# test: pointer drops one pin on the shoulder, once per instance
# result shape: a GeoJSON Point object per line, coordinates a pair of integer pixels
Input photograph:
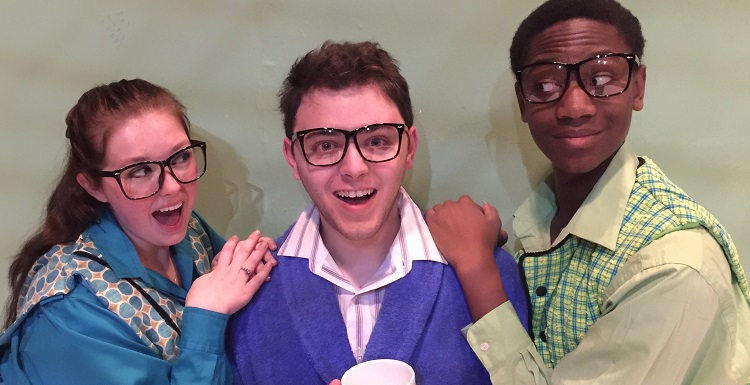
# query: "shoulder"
{"type": "Point", "coordinates": [662, 200]}
{"type": "Point", "coordinates": [515, 289]}
{"type": "Point", "coordinates": [55, 272]}
{"type": "Point", "coordinates": [695, 249]}
{"type": "Point", "coordinates": [270, 307]}
{"type": "Point", "coordinates": [280, 240]}
{"type": "Point", "coordinates": [51, 328]}
{"type": "Point", "coordinates": [507, 265]}
{"type": "Point", "coordinates": [76, 312]}
{"type": "Point", "coordinates": [504, 257]}
{"type": "Point", "coordinates": [685, 257]}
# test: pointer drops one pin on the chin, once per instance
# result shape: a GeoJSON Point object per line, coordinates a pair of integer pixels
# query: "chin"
{"type": "Point", "coordinates": [173, 238]}
{"type": "Point", "coordinates": [358, 232]}
{"type": "Point", "coordinates": [358, 236]}
{"type": "Point", "coordinates": [176, 236]}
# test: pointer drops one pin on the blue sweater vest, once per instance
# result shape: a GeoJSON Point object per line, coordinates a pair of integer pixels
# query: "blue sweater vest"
{"type": "Point", "coordinates": [292, 332]}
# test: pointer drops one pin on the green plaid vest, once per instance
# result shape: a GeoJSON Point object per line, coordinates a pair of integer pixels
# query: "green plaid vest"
{"type": "Point", "coordinates": [66, 266]}
{"type": "Point", "coordinates": [566, 284]}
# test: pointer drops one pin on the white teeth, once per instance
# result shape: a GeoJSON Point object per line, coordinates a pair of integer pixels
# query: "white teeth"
{"type": "Point", "coordinates": [355, 193]}
{"type": "Point", "coordinates": [171, 208]}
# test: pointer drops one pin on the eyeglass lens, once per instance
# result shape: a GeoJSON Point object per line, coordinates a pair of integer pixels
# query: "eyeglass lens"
{"type": "Point", "coordinates": [376, 143]}
{"type": "Point", "coordinates": [145, 179]}
{"type": "Point", "coordinates": [599, 77]}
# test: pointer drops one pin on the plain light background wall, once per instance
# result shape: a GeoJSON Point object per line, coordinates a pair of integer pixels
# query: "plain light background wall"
{"type": "Point", "coordinates": [226, 61]}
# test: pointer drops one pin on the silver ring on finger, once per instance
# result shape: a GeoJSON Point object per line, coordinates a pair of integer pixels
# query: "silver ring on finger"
{"type": "Point", "coordinates": [247, 271]}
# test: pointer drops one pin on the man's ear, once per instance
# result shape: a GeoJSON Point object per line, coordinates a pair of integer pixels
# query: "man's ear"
{"type": "Point", "coordinates": [289, 156]}
{"type": "Point", "coordinates": [411, 148]}
{"type": "Point", "coordinates": [639, 87]}
{"type": "Point", "coordinates": [521, 102]}
{"type": "Point", "coordinates": [92, 188]}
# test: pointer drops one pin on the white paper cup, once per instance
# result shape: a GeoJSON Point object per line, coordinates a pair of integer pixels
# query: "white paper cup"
{"type": "Point", "coordinates": [379, 372]}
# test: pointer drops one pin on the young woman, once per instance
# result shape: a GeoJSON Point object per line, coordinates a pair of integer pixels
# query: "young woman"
{"type": "Point", "coordinates": [123, 283]}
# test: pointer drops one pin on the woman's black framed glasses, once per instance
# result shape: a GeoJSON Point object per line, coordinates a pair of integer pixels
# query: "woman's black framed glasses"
{"type": "Point", "coordinates": [144, 179]}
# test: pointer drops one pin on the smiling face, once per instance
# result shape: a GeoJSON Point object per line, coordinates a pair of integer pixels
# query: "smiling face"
{"type": "Point", "coordinates": [356, 198]}
{"type": "Point", "coordinates": [155, 223]}
{"type": "Point", "coordinates": [580, 134]}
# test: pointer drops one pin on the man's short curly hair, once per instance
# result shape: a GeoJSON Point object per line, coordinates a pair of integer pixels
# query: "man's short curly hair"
{"type": "Point", "coordinates": [338, 66]}
{"type": "Point", "coordinates": [554, 11]}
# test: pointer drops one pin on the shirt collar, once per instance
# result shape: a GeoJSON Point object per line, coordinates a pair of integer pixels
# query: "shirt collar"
{"type": "Point", "coordinates": [412, 243]}
{"type": "Point", "coordinates": [115, 246]}
{"type": "Point", "coordinates": [598, 219]}
{"type": "Point", "coordinates": [117, 249]}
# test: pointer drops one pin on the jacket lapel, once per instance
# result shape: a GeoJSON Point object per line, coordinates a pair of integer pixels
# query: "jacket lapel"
{"type": "Point", "coordinates": [316, 317]}
{"type": "Point", "coordinates": [407, 306]}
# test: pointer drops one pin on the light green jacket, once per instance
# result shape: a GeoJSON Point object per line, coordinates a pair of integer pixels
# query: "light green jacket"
{"type": "Point", "coordinates": [643, 286]}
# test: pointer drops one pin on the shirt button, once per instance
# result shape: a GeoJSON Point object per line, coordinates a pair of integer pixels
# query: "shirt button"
{"type": "Point", "coordinates": [484, 346]}
{"type": "Point", "coordinates": [543, 336]}
{"type": "Point", "coordinates": [541, 291]}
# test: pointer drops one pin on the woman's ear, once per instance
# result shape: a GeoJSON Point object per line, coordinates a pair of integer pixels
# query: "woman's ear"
{"type": "Point", "coordinates": [92, 188]}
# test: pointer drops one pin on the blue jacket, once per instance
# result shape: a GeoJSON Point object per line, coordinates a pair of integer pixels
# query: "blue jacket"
{"type": "Point", "coordinates": [74, 338]}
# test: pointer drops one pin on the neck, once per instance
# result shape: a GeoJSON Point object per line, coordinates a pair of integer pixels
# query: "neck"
{"type": "Point", "coordinates": [161, 261]}
{"type": "Point", "coordinates": [571, 190]}
{"type": "Point", "coordinates": [359, 259]}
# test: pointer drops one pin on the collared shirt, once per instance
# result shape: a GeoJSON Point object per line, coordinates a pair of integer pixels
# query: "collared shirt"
{"type": "Point", "coordinates": [360, 307]}
{"type": "Point", "coordinates": [74, 339]}
{"type": "Point", "coordinates": [644, 335]}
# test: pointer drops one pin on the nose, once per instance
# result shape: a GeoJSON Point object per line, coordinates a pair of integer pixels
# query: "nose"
{"type": "Point", "coordinates": [353, 164]}
{"type": "Point", "coordinates": [169, 184]}
{"type": "Point", "coordinates": [575, 103]}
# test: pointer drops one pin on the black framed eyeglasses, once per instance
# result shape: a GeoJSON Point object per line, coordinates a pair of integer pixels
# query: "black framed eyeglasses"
{"type": "Point", "coordinates": [376, 143]}
{"type": "Point", "coordinates": [600, 76]}
{"type": "Point", "coordinates": [144, 179]}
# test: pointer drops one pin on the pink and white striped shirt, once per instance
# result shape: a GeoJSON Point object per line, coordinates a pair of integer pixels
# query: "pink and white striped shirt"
{"type": "Point", "coordinates": [360, 308]}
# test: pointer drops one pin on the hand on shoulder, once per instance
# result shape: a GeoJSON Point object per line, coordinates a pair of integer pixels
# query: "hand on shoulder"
{"type": "Point", "coordinates": [237, 273]}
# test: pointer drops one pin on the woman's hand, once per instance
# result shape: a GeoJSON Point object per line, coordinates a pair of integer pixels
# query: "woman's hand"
{"type": "Point", "coordinates": [237, 272]}
{"type": "Point", "coordinates": [267, 258]}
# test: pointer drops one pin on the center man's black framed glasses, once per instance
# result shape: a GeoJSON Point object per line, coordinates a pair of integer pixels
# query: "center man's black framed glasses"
{"type": "Point", "coordinates": [144, 179]}
{"type": "Point", "coordinates": [326, 146]}
{"type": "Point", "coordinates": [599, 76]}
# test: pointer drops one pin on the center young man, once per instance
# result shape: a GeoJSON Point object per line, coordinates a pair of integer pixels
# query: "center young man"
{"type": "Point", "coordinates": [358, 275]}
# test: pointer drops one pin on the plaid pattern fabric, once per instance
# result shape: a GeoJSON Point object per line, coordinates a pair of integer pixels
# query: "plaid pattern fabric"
{"type": "Point", "coordinates": [65, 266]}
{"type": "Point", "coordinates": [692, 214]}
{"type": "Point", "coordinates": [566, 283]}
